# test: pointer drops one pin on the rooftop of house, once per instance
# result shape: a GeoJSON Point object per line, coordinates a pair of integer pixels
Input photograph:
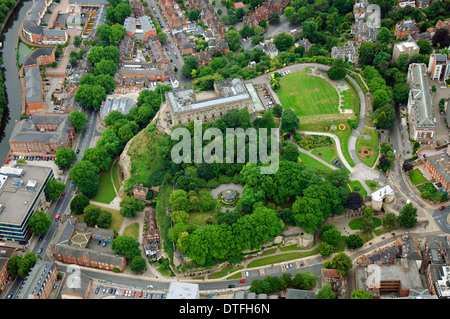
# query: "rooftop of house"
{"type": "Point", "coordinates": [31, 58]}
{"type": "Point", "coordinates": [420, 95]}
{"type": "Point", "coordinates": [26, 130]}
{"type": "Point", "coordinates": [441, 163]}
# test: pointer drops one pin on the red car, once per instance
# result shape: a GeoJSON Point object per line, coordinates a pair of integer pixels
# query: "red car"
{"type": "Point", "coordinates": [124, 292]}
{"type": "Point", "coordinates": [133, 293]}
{"type": "Point", "coordinates": [64, 193]}
{"type": "Point", "coordinates": [243, 281]}
{"type": "Point", "coordinates": [140, 294]}
{"type": "Point", "coordinates": [169, 41]}
{"type": "Point", "coordinates": [442, 208]}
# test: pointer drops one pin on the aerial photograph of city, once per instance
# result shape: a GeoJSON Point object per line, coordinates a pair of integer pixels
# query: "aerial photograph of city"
{"type": "Point", "coordinates": [252, 152]}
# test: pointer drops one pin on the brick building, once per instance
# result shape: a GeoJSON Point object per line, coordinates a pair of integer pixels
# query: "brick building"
{"type": "Point", "coordinates": [40, 281]}
{"type": "Point", "coordinates": [41, 135]}
{"type": "Point", "coordinates": [75, 243]}
{"type": "Point", "coordinates": [5, 255]}
{"type": "Point", "coordinates": [264, 10]}
{"type": "Point", "coordinates": [436, 257]}
{"type": "Point", "coordinates": [140, 74]}
{"type": "Point", "coordinates": [141, 28]}
{"type": "Point", "coordinates": [439, 67]}
{"type": "Point", "coordinates": [439, 167]}
{"type": "Point", "coordinates": [139, 191]}
{"type": "Point", "coordinates": [406, 28]}
{"type": "Point", "coordinates": [420, 104]}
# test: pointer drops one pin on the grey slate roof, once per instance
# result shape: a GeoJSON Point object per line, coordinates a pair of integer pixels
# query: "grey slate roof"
{"type": "Point", "coordinates": [25, 130]}
{"type": "Point", "coordinates": [420, 94]}
{"type": "Point", "coordinates": [31, 57]}
{"type": "Point", "coordinates": [32, 85]}
{"type": "Point", "coordinates": [31, 26]}
{"type": "Point", "coordinates": [90, 2]}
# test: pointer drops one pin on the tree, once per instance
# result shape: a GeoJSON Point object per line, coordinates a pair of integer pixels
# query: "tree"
{"type": "Point", "coordinates": [162, 37]}
{"type": "Point", "coordinates": [283, 41]}
{"type": "Point", "coordinates": [384, 35]}
{"type": "Point", "coordinates": [85, 175]}
{"type": "Point", "coordinates": [190, 63]}
{"type": "Point", "coordinates": [119, 12]}
{"type": "Point", "coordinates": [65, 156]}
{"type": "Point", "coordinates": [331, 236]}
{"type": "Point", "coordinates": [54, 189]}
{"type": "Point", "coordinates": [138, 264]}
{"type": "Point", "coordinates": [389, 221]}
{"type": "Point", "coordinates": [342, 263]}
{"type": "Point", "coordinates": [233, 39]}
{"type": "Point", "coordinates": [110, 142]}
{"type": "Point", "coordinates": [90, 96]}
{"type": "Point", "coordinates": [179, 216]}
{"type": "Point", "coordinates": [325, 249]}
{"type": "Point", "coordinates": [105, 67]}
{"type": "Point", "coordinates": [117, 31]}
{"type": "Point", "coordinates": [127, 246]}
{"type": "Point", "coordinates": [367, 224]}
{"type": "Point", "coordinates": [354, 241]}
{"type": "Point", "coordinates": [361, 294]}
{"type": "Point", "coordinates": [408, 216]}
{"type": "Point", "coordinates": [401, 92]}
{"type": "Point", "coordinates": [130, 205]}
{"type": "Point", "coordinates": [336, 73]}
{"type": "Point", "coordinates": [274, 18]}
{"type": "Point", "coordinates": [98, 156]}
{"type": "Point", "coordinates": [78, 120]}
{"type": "Point", "coordinates": [291, 152]}
{"type": "Point", "coordinates": [77, 40]}
{"type": "Point", "coordinates": [305, 280]}
{"type": "Point", "coordinates": [425, 46]}
{"type": "Point", "coordinates": [289, 121]}
{"type": "Point", "coordinates": [26, 263]}
{"type": "Point", "coordinates": [78, 203]}
{"type": "Point", "coordinates": [326, 292]}
{"type": "Point", "coordinates": [277, 110]}
{"type": "Point", "coordinates": [354, 201]}
{"type": "Point", "coordinates": [193, 15]}
{"type": "Point", "coordinates": [39, 223]}
{"type": "Point", "coordinates": [366, 53]}
{"type": "Point", "coordinates": [179, 200]}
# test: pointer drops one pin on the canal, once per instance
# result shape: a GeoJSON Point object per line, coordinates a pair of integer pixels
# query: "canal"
{"type": "Point", "coordinates": [13, 88]}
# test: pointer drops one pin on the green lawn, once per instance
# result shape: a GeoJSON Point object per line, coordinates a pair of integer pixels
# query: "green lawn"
{"type": "Point", "coordinates": [309, 161]}
{"type": "Point", "coordinates": [308, 94]}
{"type": "Point", "coordinates": [116, 218]}
{"type": "Point", "coordinates": [356, 186]}
{"type": "Point", "coordinates": [417, 176]}
{"type": "Point", "coordinates": [367, 148]}
{"type": "Point", "coordinates": [106, 191]}
{"type": "Point", "coordinates": [356, 223]}
{"type": "Point", "coordinates": [372, 185]}
{"type": "Point", "coordinates": [328, 154]}
{"type": "Point", "coordinates": [132, 230]}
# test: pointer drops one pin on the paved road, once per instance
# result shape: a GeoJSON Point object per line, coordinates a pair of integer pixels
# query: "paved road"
{"type": "Point", "coordinates": [62, 205]}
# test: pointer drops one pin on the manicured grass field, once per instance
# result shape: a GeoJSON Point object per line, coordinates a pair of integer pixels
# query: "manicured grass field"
{"type": "Point", "coordinates": [356, 223]}
{"type": "Point", "coordinates": [357, 184]}
{"type": "Point", "coordinates": [132, 230]}
{"type": "Point", "coordinates": [417, 177]}
{"type": "Point", "coordinates": [369, 145]}
{"type": "Point", "coordinates": [106, 191]}
{"type": "Point", "coordinates": [309, 161]}
{"type": "Point", "coordinates": [373, 188]}
{"type": "Point", "coordinates": [307, 94]}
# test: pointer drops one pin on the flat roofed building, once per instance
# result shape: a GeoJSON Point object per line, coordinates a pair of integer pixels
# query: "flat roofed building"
{"type": "Point", "coordinates": [439, 67]}
{"type": "Point", "coordinates": [420, 104]}
{"type": "Point", "coordinates": [182, 290]}
{"type": "Point", "coordinates": [19, 202]}
{"type": "Point", "coordinates": [406, 47]}
{"type": "Point", "coordinates": [5, 255]}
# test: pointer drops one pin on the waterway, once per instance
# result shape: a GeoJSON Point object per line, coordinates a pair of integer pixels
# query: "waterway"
{"type": "Point", "coordinates": [8, 53]}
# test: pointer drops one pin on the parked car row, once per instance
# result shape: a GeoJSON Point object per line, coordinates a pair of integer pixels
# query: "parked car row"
{"type": "Point", "coordinates": [34, 158]}
{"type": "Point", "coordinates": [127, 293]}
{"type": "Point", "coordinates": [283, 73]}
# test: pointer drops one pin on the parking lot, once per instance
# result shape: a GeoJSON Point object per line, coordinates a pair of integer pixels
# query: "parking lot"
{"type": "Point", "coordinates": [108, 292]}
{"type": "Point", "coordinates": [264, 96]}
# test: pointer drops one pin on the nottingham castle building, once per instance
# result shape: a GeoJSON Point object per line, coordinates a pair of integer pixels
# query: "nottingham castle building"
{"type": "Point", "coordinates": [183, 106]}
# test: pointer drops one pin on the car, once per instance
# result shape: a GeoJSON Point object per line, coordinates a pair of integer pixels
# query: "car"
{"type": "Point", "coordinates": [150, 296]}
{"type": "Point", "coordinates": [54, 286]}
{"type": "Point", "coordinates": [167, 49]}
{"type": "Point", "coordinates": [231, 286]}
{"type": "Point", "coordinates": [9, 296]}
{"type": "Point", "coordinates": [133, 294]}
{"type": "Point", "coordinates": [104, 244]}
{"type": "Point", "coordinates": [168, 41]}
{"type": "Point", "coordinates": [145, 295]}
{"type": "Point", "coordinates": [168, 53]}
{"type": "Point", "coordinates": [63, 193]}
{"type": "Point", "coordinates": [40, 251]}
{"type": "Point", "coordinates": [140, 294]}
{"type": "Point", "coordinates": [97, 290]}
{"type": "Point", "coordinates": [57, 218]}
{"type": "Point", "coordinates": [442, 208]}
{"type": "Point", "coordinates": [78, 151]}
{"type": "Point", "coordinates": [290, 265]}
{"type": "Point", "coordinates": [47, 83]}
{"type": "Point", "coordinates": [150, 286]}
{"type": "Point", "coordinates": [124, 292]}
{"type": "Point", "coordinates": [243, 281]}
{"type": "Point", "coordinates": [43, 158]}
{"type": "Point", "coordinates": [99, 242]}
